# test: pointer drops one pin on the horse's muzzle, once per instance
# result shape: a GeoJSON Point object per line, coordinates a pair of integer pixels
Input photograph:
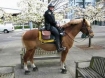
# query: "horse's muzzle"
{"type": "Point", "coordinates": [91, 34]}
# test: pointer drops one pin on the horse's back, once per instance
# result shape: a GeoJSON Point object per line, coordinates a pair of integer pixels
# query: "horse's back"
{"type": "Point", "coordinates": [30, 35]}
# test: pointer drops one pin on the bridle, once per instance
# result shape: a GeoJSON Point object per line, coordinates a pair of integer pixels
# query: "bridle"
{"type": "Point", "coordinates": [82, 28]}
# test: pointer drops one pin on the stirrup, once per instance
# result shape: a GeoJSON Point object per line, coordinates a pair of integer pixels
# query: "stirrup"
{"type": "Point", "coordinates": [61, 49]}
{"type": "Point", "coordinates": [62, 33]}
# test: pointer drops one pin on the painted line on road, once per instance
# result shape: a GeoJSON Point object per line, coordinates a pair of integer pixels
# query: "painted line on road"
{"type": "Point", "coordinates": [9, 37]}
{"type": "Point", "coordinates": [0, 33]}
{"type": "Point", "coordinates": [12, 36]}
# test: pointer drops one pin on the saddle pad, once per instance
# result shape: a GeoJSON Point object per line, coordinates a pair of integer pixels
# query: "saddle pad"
{"type": "Point", "coordinates": [46, 34]}
{"type": "Point", "coordinates": [44, 41]}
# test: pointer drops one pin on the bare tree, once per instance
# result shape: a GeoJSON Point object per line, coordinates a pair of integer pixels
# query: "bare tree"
{"type": "Point", "coordinates": [91, 13]}
{"type": "Point", "coordinates": [59, 4]}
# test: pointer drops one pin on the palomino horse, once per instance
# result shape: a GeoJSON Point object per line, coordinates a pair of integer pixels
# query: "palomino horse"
{"type": "Point", "coordinates": [31, 41]}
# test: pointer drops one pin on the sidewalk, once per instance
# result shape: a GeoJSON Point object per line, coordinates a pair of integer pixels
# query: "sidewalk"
{"type": "Point", "coordinates": [51, 68]}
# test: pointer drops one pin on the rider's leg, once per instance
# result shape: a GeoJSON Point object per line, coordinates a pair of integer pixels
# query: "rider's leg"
{"type": "Point", "coordinates": [61, 31]}
{"type": "Point", "coordinates": [55, 32]}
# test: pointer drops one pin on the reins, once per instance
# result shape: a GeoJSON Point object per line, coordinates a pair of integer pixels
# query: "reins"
{"type": "Point", "coordinates": [75, 40]}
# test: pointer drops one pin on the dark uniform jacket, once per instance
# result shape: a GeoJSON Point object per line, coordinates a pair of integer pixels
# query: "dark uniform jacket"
{"type": "Point", "coordinates": [49, 19]}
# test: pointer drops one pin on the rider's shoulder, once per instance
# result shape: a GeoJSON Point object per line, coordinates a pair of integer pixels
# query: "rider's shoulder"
{"type": "Point", "coordinates": [48, 12]}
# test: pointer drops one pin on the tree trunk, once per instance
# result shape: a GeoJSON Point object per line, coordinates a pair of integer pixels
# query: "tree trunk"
{"type": "Point", "coordinates": [23, 27]}
{"type": "Point", "coordinates": [31, 25]}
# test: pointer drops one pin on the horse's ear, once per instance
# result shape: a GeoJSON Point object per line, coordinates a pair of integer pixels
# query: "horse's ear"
{"type": "Point", "coordinates": [83, 19]}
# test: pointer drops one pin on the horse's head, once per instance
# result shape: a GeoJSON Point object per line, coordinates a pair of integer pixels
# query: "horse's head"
{"type": "Point", "coordinates": [86, 28]}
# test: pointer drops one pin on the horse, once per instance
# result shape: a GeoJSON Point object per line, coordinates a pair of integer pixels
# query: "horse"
{"type": "Point", "coordinates": [30, 40]}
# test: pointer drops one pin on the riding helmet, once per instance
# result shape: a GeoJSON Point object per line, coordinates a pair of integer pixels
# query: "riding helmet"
{"type": "Point", "coordinates": [50, 5]}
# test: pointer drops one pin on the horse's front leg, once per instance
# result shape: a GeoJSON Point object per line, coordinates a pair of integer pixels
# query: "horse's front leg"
{"type": "Point", "coordinates": [63, 58]}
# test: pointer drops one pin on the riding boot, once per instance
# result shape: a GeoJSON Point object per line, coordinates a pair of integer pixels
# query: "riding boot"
{"type": "Point", "coordinates": [59, 49]}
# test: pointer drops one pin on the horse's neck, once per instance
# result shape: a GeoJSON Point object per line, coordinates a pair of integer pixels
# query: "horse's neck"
{"type": "Point", "coordinates": [73, 31]}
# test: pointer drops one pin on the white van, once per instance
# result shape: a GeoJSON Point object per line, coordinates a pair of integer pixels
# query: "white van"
{"type": "Point", "coordinates": [6, 28]}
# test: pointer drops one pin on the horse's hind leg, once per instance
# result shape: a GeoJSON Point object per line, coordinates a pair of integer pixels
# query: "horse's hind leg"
{"type": "Point", "coordinates": [26, 58]}
{"type": "Point", "coordinates": [32, 60]}
{"type": "Point", "coordinates": [63, 58]}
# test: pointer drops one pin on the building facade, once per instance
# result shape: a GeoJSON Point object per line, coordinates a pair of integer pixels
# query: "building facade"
{"type": "Point", "coordinates": [83, 4]}
{"type": "Point", "coordinates": [79, 3]}
{"type": "Point", "coordinates": [46, 1]}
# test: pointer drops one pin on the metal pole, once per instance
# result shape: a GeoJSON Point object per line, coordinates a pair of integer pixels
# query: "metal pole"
{"type": "Point", "coordinates": [89, 42]}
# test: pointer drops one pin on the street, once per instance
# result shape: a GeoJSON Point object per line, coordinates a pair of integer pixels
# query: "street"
{"type": "Point", "coordinates": [12, 36]}
{"type": "Point", "coordinates": [10, 46]}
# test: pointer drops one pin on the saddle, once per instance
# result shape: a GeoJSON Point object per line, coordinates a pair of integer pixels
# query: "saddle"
{"type": "Point", "coordinates": [45, 36]}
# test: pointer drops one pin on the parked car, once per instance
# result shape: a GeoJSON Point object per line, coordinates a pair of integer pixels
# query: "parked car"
{"type": "Point", "coordinates": [6, 28]}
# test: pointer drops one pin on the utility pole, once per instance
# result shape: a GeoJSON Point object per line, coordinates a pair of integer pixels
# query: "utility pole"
{"type": "Point", "coordinates": [49, 1]}
{"type": "Point", "coordinates": [84, 4]}
{"type": "Point", "coordinates": [89, 45]}
{"type": "Point", "coordinates": [85, 34]}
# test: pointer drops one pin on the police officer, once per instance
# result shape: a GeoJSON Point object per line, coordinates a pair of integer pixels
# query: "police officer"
{"type": "Point", "coordinates": [51, 25]}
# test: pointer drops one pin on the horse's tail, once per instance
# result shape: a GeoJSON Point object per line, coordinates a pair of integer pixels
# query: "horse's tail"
{"type": "Point", "coordinates": [28, 36]}
{"type": "Point", "coordinates": [23, 40]}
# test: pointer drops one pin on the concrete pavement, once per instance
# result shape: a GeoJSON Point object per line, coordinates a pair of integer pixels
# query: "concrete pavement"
{"type": "Point", "coordinates": [10, 55]}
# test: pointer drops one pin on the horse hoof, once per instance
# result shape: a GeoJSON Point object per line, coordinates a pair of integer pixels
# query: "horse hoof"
{"type": "Point", "coordinates": [27, 72]}
{"type": "Point", "coordinates": [65, 67]}
{"type": "Point", "coordinates": [35, 69]}
{"type": "Point", "coordinates": [64, 71]}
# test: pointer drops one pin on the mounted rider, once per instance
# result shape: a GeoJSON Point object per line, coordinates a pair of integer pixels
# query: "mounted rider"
{"type": "Point", "coordinates": [51, 25]}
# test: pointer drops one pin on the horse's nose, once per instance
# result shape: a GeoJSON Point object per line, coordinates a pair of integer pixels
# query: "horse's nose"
{"type": "Point", "coordinates": [91, 35]}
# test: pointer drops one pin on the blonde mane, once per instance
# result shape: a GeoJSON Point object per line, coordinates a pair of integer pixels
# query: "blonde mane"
{"type": "Point", "coordinates": [74, 22]}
